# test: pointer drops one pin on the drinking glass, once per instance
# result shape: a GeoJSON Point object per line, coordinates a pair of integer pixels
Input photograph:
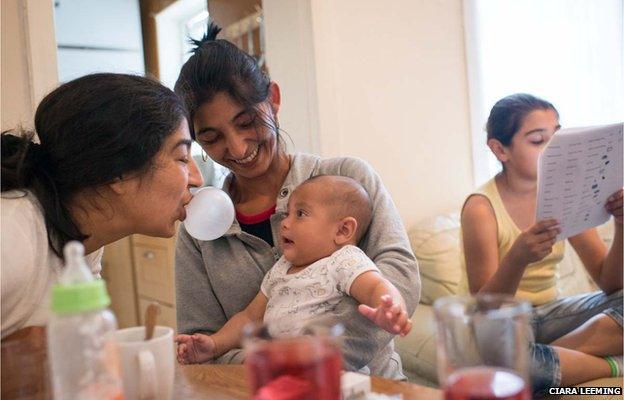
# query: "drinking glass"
{"type": "Point", "coordinates": [482, 347]}
{"type": "Point", "coordinates": [304, 367]}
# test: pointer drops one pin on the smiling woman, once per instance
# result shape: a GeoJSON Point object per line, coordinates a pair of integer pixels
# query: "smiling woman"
{"type": "Point", "coordinates": [233, 114]}
{"type": "Point", "coordinates": [113, 160]}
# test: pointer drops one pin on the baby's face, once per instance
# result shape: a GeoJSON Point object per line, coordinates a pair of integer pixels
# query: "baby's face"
{"type": "Point", "coordinates": [309, 229]}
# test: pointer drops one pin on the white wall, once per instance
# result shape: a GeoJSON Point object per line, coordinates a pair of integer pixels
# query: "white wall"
{"type": "Point", "coordinates": [390, 87]}
{"type": "Point", "coordinates": [28, 56]}
{"type": "Point", "coordinates": [290, 59]}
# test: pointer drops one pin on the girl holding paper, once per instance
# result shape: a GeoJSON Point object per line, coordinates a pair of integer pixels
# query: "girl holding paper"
{"type": "Point", "coordinates": [507, 251]}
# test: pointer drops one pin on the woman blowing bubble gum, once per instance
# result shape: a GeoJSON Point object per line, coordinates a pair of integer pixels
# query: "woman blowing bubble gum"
{"type": "Point", "coordinates": [113, 160]}
{"type": "Point", "coordinates": [507, 251]}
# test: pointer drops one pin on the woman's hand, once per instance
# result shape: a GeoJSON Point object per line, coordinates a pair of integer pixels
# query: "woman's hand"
{"type": "Point", "coordinates": [195, 349]}
{"type": "Point", "coordinates": [389, 316]}
{"type": "Point", "coordinates": [614, 205]}
{"type": "Point", "coordinates": [535, 243]}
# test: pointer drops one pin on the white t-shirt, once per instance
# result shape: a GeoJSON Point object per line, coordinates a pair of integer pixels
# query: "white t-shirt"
{"type": "Point", "coordinates": [294, 299]}
{"type": "Point", "coordinates": [28, 266]}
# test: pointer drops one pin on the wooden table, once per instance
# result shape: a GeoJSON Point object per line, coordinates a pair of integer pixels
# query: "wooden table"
{"type": "Point", "coordinates": [205, 382]}
{"type": "Point", "coordinates": [227, 382]}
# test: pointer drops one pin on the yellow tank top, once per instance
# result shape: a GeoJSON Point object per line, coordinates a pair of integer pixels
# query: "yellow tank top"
{"type": "Point", "coordinates": [538, 283]}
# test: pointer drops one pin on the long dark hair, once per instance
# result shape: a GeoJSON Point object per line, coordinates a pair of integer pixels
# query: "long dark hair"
{"type": "Point", "coordinates": [508, 113]}
{"type": "Point", "coordinates": [218, 66]}
{"type": "Point", "coordinates": [93, 130]}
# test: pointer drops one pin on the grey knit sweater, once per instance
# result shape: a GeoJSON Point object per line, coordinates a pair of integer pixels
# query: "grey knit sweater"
{"type": "Point", "coordinates": [216, 279]}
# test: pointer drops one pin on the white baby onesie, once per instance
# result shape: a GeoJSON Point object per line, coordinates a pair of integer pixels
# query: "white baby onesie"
{"type": "Point", "coordinates": [295, 299]}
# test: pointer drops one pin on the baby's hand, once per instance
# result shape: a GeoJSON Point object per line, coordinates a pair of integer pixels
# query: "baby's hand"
{"type": "Point", "coordinates": [195, 349]}
{"type": "Point", "coordinates": [389, 316]}
{"type": "Point", "coordinates": [614, 205]}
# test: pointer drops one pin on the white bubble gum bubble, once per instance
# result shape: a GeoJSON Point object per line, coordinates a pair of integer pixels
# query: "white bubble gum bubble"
{"type": "Point", "coordinates": [209, 214]}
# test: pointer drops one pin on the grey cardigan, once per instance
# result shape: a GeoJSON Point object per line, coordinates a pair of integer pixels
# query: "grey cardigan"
{"type": "Point", "coordinates": [216, 279]}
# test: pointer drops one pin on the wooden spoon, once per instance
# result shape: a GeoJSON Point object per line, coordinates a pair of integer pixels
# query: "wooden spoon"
{"type": "Point", "coordinates": [151, 312]}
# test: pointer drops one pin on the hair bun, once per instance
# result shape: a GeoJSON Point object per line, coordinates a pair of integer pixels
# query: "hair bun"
{"type": "Point", "coordinates": [34, 152]}
{"type": "Point", "coordinates": [19, 156]}
{"type": "Point", "coordinates": [16, 144]}
{"type": "Point", "coordinates": [212, 30]}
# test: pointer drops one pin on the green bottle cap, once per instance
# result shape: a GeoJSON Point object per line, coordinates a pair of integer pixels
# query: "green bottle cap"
{"type": "Point", "coordinates": [79, 297]}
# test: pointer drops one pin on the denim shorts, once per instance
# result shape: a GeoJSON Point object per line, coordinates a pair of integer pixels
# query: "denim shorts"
{"type": "Point", "coordinates": [554, 319]}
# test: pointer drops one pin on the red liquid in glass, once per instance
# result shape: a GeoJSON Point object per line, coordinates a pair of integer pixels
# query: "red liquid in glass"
{"type": "Point", "coordinates": [299, 369]}
{"type": "Point", "coordinates": [485, 383]}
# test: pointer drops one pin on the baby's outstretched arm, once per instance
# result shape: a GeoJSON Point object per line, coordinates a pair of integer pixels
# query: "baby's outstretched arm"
{"type": "Point", "coordinates": [199, 348]}
{"type": "Point", "coordinates": [381, 303]}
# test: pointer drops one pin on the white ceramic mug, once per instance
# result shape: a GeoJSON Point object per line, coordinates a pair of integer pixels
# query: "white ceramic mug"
{"type": "Point", "coordinates": [147, 366]}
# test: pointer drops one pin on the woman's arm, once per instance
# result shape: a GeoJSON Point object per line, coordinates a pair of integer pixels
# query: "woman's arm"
{"type": "Point", "coordinates": [480, 240]}
{"type": "Point", "coordinates": [197, 307]}
{"type": "Point", "coordinates": [604, 267]}
{"type": "Point", "coordinates": [386, 243]}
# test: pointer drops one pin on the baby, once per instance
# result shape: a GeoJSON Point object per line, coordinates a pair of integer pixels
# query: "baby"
{"type": "Point", "coordinates": [327, 215]}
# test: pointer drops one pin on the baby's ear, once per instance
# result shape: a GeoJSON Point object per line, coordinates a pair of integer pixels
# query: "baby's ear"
{"type": "Point", "coordinates": [346, 231]}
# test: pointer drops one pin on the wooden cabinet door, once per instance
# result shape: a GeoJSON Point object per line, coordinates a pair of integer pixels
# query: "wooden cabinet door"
{"type": "Point", "coordinates": [153, 261]}
{"type": "Point", "coordinates": [117, 271]}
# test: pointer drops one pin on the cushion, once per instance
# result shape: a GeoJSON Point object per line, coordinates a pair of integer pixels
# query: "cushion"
{"type": "Point", "coordinates": [418, 348]}
{"type": "Point", "coordinates": [435, 243]}
{"type": "Point", "coordinates": [572, 277]}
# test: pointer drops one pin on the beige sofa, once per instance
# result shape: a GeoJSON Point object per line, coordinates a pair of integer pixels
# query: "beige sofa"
{"type": "Point", "coordinates": [435, 243]}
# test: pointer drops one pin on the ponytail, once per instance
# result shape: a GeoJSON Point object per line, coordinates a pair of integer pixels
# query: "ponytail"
{"type": "Point", "coordinates": [18, 160]}
{"type": "Point", "coordinates": [25, 166]}
{"type": "Point", "coordinates": [93, 130]}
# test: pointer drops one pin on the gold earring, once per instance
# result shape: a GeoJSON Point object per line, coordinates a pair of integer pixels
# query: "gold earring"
{"type": "Point", "coordinates": [204, 155]}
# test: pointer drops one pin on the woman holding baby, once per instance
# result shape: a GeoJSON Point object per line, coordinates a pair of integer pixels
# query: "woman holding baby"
{"type": "Point", "coordinates": [233, 114]}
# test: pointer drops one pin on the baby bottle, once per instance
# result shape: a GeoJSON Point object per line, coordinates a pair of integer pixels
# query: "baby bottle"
{"type": "Point", "coordinates": [83, 357]}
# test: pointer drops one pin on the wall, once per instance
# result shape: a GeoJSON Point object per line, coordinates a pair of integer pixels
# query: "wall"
{"type": "Point", "coordinates": [28, 56]}
{"type": "Point", "coordinates": [290, 62]}
{"type": "Point", "coordinates": [389, 86]}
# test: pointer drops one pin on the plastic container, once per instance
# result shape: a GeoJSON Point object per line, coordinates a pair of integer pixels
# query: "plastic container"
{"type": "Point", "coordinates": [84, 362]}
